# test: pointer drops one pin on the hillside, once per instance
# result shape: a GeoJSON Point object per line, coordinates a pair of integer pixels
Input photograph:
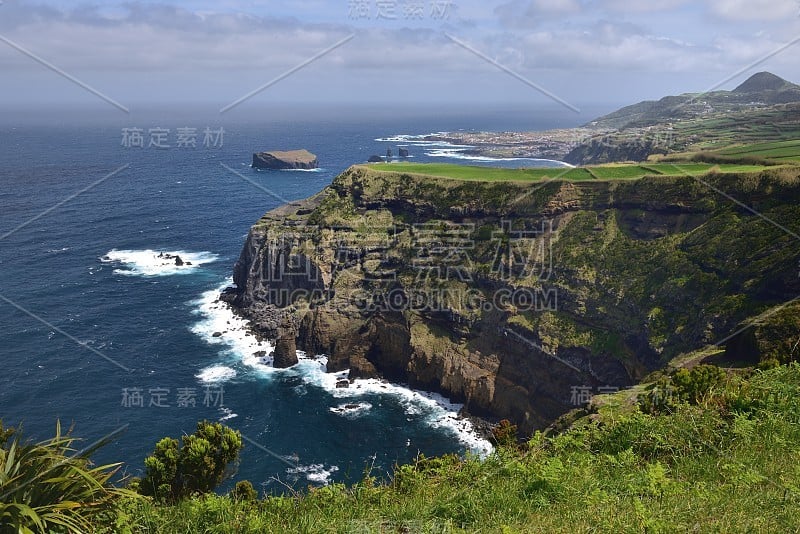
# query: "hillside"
{"type": "Point", "coordinates": [760, 90]}
{"type": "Point", "coordinates": [765, 108]}
{"type": "Point", "coordinates": [504, 295]}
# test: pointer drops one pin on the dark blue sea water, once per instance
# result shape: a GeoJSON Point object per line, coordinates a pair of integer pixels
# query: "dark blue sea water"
{"type": "Point", "coordinates": [59, 303]}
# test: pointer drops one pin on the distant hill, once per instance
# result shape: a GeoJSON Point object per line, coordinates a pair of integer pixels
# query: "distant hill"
{"type": "Point", "coordinates": [762, 89]}
{"type": "Point", "coordinates": [764, 82]}
{"type": "Point", "coordinates": [765, 108]}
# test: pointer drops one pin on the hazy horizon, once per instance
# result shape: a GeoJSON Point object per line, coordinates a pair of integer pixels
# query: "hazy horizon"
{"type": "Point", "coordinates": [572, 54]}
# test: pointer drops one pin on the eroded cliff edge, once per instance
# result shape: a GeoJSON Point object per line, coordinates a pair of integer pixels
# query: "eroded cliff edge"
{"type": "Point", "coordinates": [509, 296]}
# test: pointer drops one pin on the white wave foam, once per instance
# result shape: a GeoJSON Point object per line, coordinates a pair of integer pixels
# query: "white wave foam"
{"type": "Point", "coordinates": [221, 326]}
{"type": "Point", "coordinates": [316, 473]}
{"type": "Point", "coordinates": [215, 373]}
{"type": "Point", "coordinates": [421, 141]}
{"type": "Point", "coordinates": [436, 410]}
{"type": "Point", "coordinates": [402, 138]}
{"type": "Point", "coordinates": [351, 410]}
{"type": "Point", "coordinates": [318, 169]}
{"type": "Point", "coordinates": [151, 263]}
{"type": "Point", "coordinates": [227, 413]}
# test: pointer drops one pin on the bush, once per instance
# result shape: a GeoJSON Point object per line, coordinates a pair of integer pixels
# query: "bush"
{"type": "Point", "coordinates": [244, 492]}
{"type": "Point", "coordinates": [197, 467]}
{"type": "Point", "coordinates": [692, 385]}
{"type": "Point", "coordinates": [504, 434]}
{"type": "Point", "coordinates": [683, 385]}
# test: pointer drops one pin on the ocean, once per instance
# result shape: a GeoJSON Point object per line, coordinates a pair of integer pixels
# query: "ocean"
{"type": "Point", "coordinates": [100, 334]}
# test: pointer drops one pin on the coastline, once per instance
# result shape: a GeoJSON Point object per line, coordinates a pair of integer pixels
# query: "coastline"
{"type": "Point", "coordinates": [222, 325]}
{"type": "Point", "coordinates": [547, 146]}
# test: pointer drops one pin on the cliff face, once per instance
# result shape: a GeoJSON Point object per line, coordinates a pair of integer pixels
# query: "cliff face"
{"type": "Point", "coordinates": [514, 297]}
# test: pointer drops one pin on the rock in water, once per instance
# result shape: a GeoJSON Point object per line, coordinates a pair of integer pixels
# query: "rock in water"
{"type": "Point", "coordinates": [285, 354]}
{"type": "Point", "coordinates": [291, 159]}
{"type": "Point", "coordinates": [178, 261]}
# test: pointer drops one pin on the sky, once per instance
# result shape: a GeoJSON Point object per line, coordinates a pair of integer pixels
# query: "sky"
{"type": "Point", "coordinates": [567, 53]}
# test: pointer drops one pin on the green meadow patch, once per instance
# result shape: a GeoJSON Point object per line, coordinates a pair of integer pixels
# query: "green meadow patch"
{"type": "Point", "coordinates": [598, 172]}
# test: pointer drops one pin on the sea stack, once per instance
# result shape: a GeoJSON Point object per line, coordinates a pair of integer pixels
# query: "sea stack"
{"type": "Point", "coordinates": [285, 354]}
{"type": "Point", "coordinates": [281, 160]}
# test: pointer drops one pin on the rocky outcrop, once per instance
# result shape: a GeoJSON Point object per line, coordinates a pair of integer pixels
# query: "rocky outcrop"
{"type": "Point", "coordinates": [600, 150]}
{"type": "Point", "coordinates": [285, 354]}
{"type": "Point", "coordinates": [292, 159]}
{"type": "Point", "coordinates": [510, 297]}
{"type": "Point", "coordinates": [772, 338]}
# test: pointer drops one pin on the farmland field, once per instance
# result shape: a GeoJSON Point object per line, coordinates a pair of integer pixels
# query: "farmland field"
{"type": "Point", "coordinates": [781, 150]}
{"type": "Point", "coordinates": [600, 172]}
{"type": "Point", "coordinates": [484, 174]}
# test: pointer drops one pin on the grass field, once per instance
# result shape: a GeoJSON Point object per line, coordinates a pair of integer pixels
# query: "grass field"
{"type": "Point", "coordinates": [723, 133]}
{"type": "Point", "coordinates": [484, 174]}
{"type": "Point", "coordinates": [600, 172]}
{"type": "Point", "coordinates": [780, 150]}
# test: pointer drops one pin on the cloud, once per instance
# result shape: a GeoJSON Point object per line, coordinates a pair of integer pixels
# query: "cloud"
{"type": "Point", "coordinates": [612, 47]}
{"type": "Point", "coordinates": [755, 10]}
{"type": "Point", "coordinates": [140, 47]}
{"type": "Point", "coordinates": [555, 6]}
{"type": "Point", "coordinates": [637, 6]}
{"type": "Point", "coordinates": [532, 14]}
{"type": "Point", "coordinates": [156, 37]}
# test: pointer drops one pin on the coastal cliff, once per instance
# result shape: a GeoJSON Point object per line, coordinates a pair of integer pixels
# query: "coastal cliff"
{"type": "Point", "coordinates": [512, 296]}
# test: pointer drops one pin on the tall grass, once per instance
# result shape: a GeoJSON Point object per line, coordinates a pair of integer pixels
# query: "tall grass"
{"type": "Point", "coordinates": [51, 487]}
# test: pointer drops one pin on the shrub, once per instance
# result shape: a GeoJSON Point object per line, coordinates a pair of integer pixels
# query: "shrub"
{"type": "Point", "coordinates": [692, 385]}
{"type": "Point", "coordinates": [244, 491]}
{"type": "Point", "coordinates": [683, 385]}
{"type": "Point", "coordinates": [197, 467]}
{"type": "Point", "coordinates": [659, 398]}
{"type": "Point", "coordinates": [504, 434]}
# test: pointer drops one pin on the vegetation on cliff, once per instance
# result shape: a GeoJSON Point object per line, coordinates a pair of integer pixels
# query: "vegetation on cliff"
{"type": "Point", "coordinates": [702, 449]}
{"type": "Point", "coordinates": [506, 294]}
